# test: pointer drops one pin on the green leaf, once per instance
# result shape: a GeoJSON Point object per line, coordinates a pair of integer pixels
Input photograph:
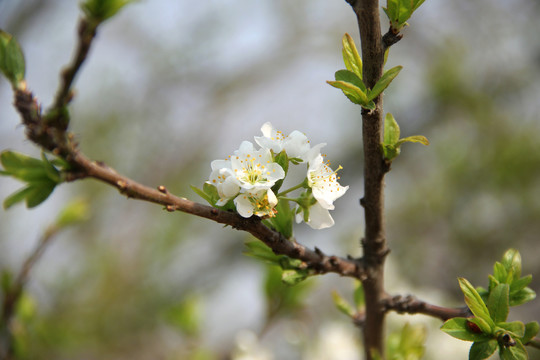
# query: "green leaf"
{"type": "Point", "coordinates": [353, 92]}
{"type": "Point", "coordinates": [383, 82]}
{"type": "Point", "coordinates": [350, 77]}
{"type": "Point", "coordinates": [399, 11]}
{"type": "Point", "coordinates": [12, 161]}
{"type": "Point", "coordinates": [74, 212]}
{"type": "Point", "coordinates": [202, 194]}
{"type": "Point", "coordinates": [531, 329]}
{"type": "Point", "coordinates": [523, 296]}
{"type": "Point", "coordinates": [281, 297]}
{"type": "Point", "coordinates": [16, 197]}
{"type": "Point", "coordinates": [391, 130]}
{"type": "Point", "coordinates": [414, 139]}
{"type": "Point", "coordinates": [294, 276]}
{"type": "Point", "coordinates": [498, 303]}
{"type": "Point", "coordinates": [101, 10]}
{"type": "Point", "coordinates": [474, 302]}
{"type": "Point", "coordinates": [351, 58]}
{"type": "Point", "coordinates": [12, 63]}
{"type": "Point", "coordinates": [482, 349]}
{"type": "Point", "coordinates": [52, 173]}
{"type": "Point", "coordinates": [259, 250]}
{"type": "Point", "coordinates": [515, 328]}
{"type": "Point", "coordinates": [520, 284]}
{"type": "Point", "coordinates": [359, 296]}
{"type": "Point", "coordinates": [39, 193]}
{"type": "Point", "coordinates": [390, 151]}
{"type": "Point", "coordinates": [500, 272]}
{"type": "Point", "coordinates": [458, 328]}
{"type": "Point", "coordinates": [512, 261]}
{"type": "Point", "coordinates": [342, 305]}
{"type": "Point", "coordinates": [283, 221]}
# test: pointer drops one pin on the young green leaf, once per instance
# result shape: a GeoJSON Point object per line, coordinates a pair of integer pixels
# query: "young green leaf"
{"type": "Point", "coordinates": [74, 212]}
{"type": "Point", "coordinates": [350, 77]}
{"type": "Point", "coordinates": [520, 284]}
{"type": "Point", "coordinates": [101, 10]}
{"type": "Point", "coordinates": [11, 60]}
{"type": "Point", "coordinates": [512, 262]}
{"type": "Point", "coordinates": [414, 139]}
{"type": "Point", "coordinates": [481, 350]}
{"type": "Point", "coordinates": [202, 194]}
{"type": "Point", "coordinates": [294, 276]}
{"type": "Point", "coordinates": [383, 82]}
{"type": "Point", "coordinates": [353, 92]}
{"type": "Point", "coordinates": [515, 328]}
{"type": "Point", "coordinates": [342, 305]}
{"type": "Point", "coordinates": [39, 193]}
{"type": "Point", "coordinates": [458, 328]}
{"type": "Point", "coordinates": [531, 329]}
{"type": "Point", "coordinates": [359, 296]}
{"type": "Point", "coordinates": [475, 302]}
{"type": "Point", "coordinates": [259, 250]}
{"type": "Point", "coordinates": [498, 303]}
{"type": "Point", "coordinates": [351, 58]}
{"type": "Point", "coordinates": [283, 221]}
{"type": "Point", "coordinates": [522, 296]}
{"type": "Point", "coordinates": [391, 130]}
{"type": "Point", "coordinates": [17, 197]}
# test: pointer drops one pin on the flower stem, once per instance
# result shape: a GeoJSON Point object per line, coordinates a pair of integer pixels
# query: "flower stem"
{"type": "Point", "coordinates": [301, 185]}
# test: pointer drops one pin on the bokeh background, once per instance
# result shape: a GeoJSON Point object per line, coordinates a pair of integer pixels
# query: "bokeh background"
{"type": "Point", "coordinates": [172, 85]}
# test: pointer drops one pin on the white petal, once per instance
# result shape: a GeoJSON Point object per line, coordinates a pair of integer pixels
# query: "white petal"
{"type": "Point", "coordinates": [296, 144]}
{"type": "Point", "coordinates": [319, 218]}
{"type": "Point", "coordinates": [243, 205]}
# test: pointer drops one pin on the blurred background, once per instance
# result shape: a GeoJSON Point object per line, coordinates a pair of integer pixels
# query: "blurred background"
{"type": "Point", "coordinates": [172, 85]}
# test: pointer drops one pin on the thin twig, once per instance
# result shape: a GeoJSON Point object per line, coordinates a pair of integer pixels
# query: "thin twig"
{"type": "Point", "coordinates": [411, 305]}
{"type": "Point", "coordinates": [86, 33]}
{"type": "Point", "coordinates": [13, 294]}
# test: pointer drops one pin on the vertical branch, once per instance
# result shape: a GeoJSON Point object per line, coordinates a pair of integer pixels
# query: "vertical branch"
{"type": "Point", "coordinates": [374, 243]}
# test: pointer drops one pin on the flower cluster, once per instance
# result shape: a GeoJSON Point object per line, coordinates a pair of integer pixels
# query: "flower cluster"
{"type": "Point", "coordinates": [249, 180]}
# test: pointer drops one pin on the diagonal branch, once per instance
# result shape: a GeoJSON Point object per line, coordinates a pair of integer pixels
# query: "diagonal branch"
{"type": "Point", "coordinates": [56, 141]}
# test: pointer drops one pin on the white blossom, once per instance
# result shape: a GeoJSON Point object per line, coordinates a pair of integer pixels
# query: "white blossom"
{"type": "Point", "coordinates": [296, 144]}
{"type": "Point", "coordinates": [261, 203]}
{"type": "Point", "coordinates": [324, 182]}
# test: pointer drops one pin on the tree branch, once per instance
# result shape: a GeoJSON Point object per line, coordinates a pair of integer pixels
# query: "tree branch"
{"type": "Point", "coordinates": [410, 305]}
{"type": "Point", "coordinates": [374, 243]}
{"type": "Point", "coordinates": [56, 140]}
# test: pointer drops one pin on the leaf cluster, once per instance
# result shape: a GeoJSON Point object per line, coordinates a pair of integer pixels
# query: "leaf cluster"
{"type": "Point", "coordinates": [350, 81]}
{"type": "Point", "coordinates": [391, 141]}
{"type": "Point", "coordinates": [488, 328]}
{"type": "Point", "coordinates": [399, 11]}
{"type": "Point", "coordinates": [40, 175]}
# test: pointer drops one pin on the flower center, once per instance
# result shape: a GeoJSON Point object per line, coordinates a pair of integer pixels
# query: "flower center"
{"type": "Point", "coordinates": [262, 206]}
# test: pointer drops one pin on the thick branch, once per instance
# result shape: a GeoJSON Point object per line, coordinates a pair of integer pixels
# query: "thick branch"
{"type": "Point", "coordinates": [410, 305]}
{"type": "Point", "coordinates": [374, 243]}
